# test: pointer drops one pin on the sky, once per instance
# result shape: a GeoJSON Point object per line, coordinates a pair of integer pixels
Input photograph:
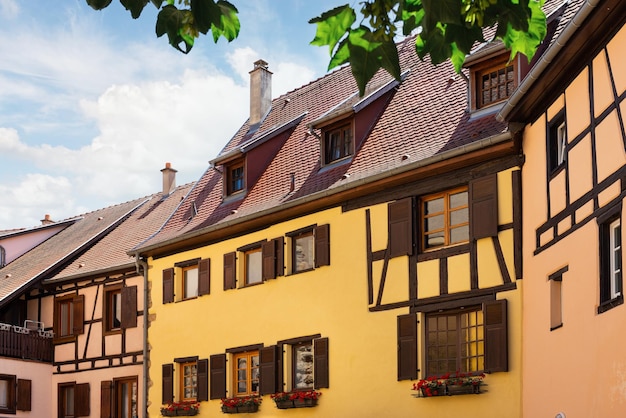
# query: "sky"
{"type": "Point", "coordinates": [93, 104]}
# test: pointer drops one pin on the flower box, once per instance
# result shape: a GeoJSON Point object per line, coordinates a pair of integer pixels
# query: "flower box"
{"type": "Point", "coordinates": [462, 389]}
{"type": "Point", "coordinates": [242, 409]}
{"type": "Point", "coordinates": [458, 384]}
{"type": "Point", "coordinates": [180, 409]}
{"type": "Point", "coordinates": [179, 413]}
{"type": "Point", "coordinates": [428, 392]}
{"type": "Point", "coordinates": [296, 403]}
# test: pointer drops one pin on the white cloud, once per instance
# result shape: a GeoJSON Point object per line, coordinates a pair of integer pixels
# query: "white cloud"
{"type": "Point", "coordinates": [9, 9]}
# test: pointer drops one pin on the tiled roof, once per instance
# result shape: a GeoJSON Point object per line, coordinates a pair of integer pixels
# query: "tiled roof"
{"type": "Point", "coordinates": [98, 240]}
{"type": "Point", "coordinates": [110, 252]}
{"type": "Point", "coordinates": [426, 116]}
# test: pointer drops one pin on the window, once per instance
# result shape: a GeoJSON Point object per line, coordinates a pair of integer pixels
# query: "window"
{"type": "Point", "coordinates": [68, 317]}
{"type": "Point", "coordinates": [246, 373]}
{"type": "Point", "coordinates": [113, 308]}
{"type": "Point", "coordinates": [126, 398]}
{"type": "Point", "coordinates": [455, 341]}
{"type": "Point", "coordinates": [303, 255]}
{"type": "Point", "coordinates": [557, 142]}
{"type": "Point", "coordinates": [310, 248]}
{"type": "Point", "coordinates": [445, 218]}
{"type": "Point", "coordinates": [189, 381]}
{"type": "Point", "coordinates": [610, 259]}
{"type": "Point", "coordinates": [235, 177]}
{"type": "Point", "coordinates": [468, 339]}
{"type": "Point", "coordinates": [338, 143]}
{"type": "Point", "coordinates": [120, 308]}
{"type": "Point", "coordinates": [556, 298]}
{"type": "Point", "coordinates": [7, 394]}
{"type": "Point", "coordinates": [190, 282]}
{"type": "Point", "coordinates": [302, 367]}
{"type": "Point", "coordinates": [252, 266]}
{"type": "Point", "coordinates": [73, 400]}
{"type": "Point", "coordinates": [495, 83]}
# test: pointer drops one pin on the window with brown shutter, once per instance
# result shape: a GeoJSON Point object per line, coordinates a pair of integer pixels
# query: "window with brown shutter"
{"type": "Point", "coordinates": [217, 379]}
{"type": "Point", "coordinates": [24, 394]}
{"type": "Point", "coordinates": [129, 307]}
{"type": "Point", "coordinates": [204, 277]}
{"type": "Point", "coordinates": [484, 207]}
{"type": "Point", "coordinates": [106, 399]}
{"type": "Point", "coordinates": [407, 347]}
{"type": "Point", "coordinates": [7, 394]}
{"type": "Point", "coordinates": [496, 336]}
{"type": "Point", "coordinates": [230, 278]}
{"type": "Point", "coordinates": [167, 383]}
{"type": "Point", "coordinates": [400, 225]}
{"type": "Point", "coordinates": [79, 314]}
{"type": "Point", "coordinates": [444, 219]}
{"type": "Point", "coordinates": [267, 370]}
{"type": "Point", "coordinates": [320, 363]}
{"type": "Point", "coordinates": [322, 245]}
{"type": "Point", "coordinates": [268, 255]}
{"type": "Point", "coordinates": [112, 309]}
{"type": "Point", "coordinates": [168, 285]}
{"type": "Point", "coordinates": [68, 317]}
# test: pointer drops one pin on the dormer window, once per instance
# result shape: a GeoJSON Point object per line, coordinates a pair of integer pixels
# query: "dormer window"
{"type": "Point", "coordinates": [493, 80]}
{"type": "Point", "coordinates": [235, 177]}
{"type": "Point", "coordinates": [338, 142]}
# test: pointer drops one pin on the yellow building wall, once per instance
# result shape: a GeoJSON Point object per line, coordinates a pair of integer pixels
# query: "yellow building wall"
{"type": "Point", "coordinates": [578, 368]}
{"type": "Point", "coordinates": [332, 301]}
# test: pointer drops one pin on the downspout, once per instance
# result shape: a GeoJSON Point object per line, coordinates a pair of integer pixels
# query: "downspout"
{"type": "Point", "coordinates": [141, 267]}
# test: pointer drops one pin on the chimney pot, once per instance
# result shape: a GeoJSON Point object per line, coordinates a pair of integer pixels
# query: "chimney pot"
{"type": "Point", "coordinates": [46, 220]}
{"type": "Point", "coordinates": [169, 179]}
{"type": "Point", "coordinates": [260, 93]}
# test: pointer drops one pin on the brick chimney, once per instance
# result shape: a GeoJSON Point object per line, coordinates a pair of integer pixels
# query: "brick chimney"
{"type": "Point", "coordinates": [169, 179]}
{"type": "Point", "coordinates": [260, 92]}
{"type": "Point", "coordinates": [46, 220]}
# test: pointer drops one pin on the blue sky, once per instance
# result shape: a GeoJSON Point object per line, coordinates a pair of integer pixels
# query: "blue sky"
{"type": "Point", "coordinates": [93, 104]}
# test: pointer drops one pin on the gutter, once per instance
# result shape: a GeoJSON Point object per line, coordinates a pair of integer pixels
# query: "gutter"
{"type": "Point", "coordinates": [142, 268]}
{"type": "Point", "coordinates": [547, 58]}
{"type": "Point", "coordinates": [466, 149]}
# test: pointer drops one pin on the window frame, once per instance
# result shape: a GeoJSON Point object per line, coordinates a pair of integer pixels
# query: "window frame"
{"type": "Point", "coordinates": [321, 246]}
{"type": "Point", "coordinates": [294, 365]}
{"type": "Point", "coordinates": [110, 292]}
{"type": "Point", "coordinates": [257, 270]}
{"type": "Point", "coordinates": [185, 278]}
{"type": "Point", "coordinates": [490, 66]}
{"type": "Point", "coordinates": [193, 365]}
{"type": "Point", "coordinates": [80, 399]}
{"type": "Point", "coordinates": [346, 146]}
{"type": "Point", "coordinates": [11, 380]}
{"type": "Point", "coordinates": [556, 298]}
{"type": "Point", "coordinates": [459, 358]}
{"type": "Point", "coordinates": [118, 384]}
{"type": "Point", "coordinates": [248, 355]}
{"type": "Point", "coordinates": [557, 143]}
{"type": "Point", "coordinates": [74, 321]}
{"type": "Point", "coordinates": [446, 213]}
{"type": "Point", "coordinates": [230, 187]}
{"type": "Point", "coordinates": [611, 284]}
{"type": "Point", "coordinates": [306, 234]}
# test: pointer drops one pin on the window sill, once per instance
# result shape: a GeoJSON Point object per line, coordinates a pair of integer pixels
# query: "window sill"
{"type": "Point", "coordinates": [444, 252]}
{"type": "Point", "coordinates": [610, 304]}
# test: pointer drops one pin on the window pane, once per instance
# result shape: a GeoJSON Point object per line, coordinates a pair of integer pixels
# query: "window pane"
{"type": "Point", "coordinates": [253, 266]}
{"type": "Point", "coordinates": [460, 234]}
{"type": "Point", "coordinates": [433, 206]}
{"type": "Point", "coordinates": [458, 200]}
{"type": "Point", "coordinates": [433, 223]}
{"type": "Point", "coordinates": [303, 366]}
{"type": "Point", "coordinates": [68, 400]}
{"type": "Point", "coordinates": [459, 216]}
{"type": "Point", "coordinates": [303, 253]}
{"type": "Point", "coordinates": [4, 394]}
{"type": "Point", "coordinates": [65, 319]}
{"type": "Point", "coordinates": [190, 283]}
{"type": "Point", "coordinates": [116, 309]}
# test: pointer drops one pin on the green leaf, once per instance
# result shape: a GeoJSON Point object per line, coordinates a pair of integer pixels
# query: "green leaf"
{"type": "Point", "coordinates": [527, 42]}
{"type": "Point", "coordinates": [157, 3]}
{"type": "Point", "coordinates": [332, 26]}
{"type": "Point", "coordinates": [342, 55]}
{"type": "Point", "coordinates": [433, 43]}
{"type": "Point", "coordinates": [389, 59]}
{"type": "Point", "coordinates": [98, 4]}
{"type": "Point", "coordinates": [457, 57]}
{"type": "Point", "coordinates": [411, 14]}
{"type": "Point", "coordinates": [364, 60]}
{"type": "Point", "coordinates": [205, 14]}
{"type": "Point", "coordinates": [171, 21]}
{"type": "Point", "coordinates": [135, 6]}
{"type": "Point", "coordinates": [443, 11]}
{"type": "Point", "coordinates": [229, 24]}
{"type": "Point", "coordinates": [463, 36]}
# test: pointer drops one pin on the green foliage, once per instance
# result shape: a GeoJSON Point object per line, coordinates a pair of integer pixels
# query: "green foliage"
{"type": "Point", "coordinates": [447, 29]}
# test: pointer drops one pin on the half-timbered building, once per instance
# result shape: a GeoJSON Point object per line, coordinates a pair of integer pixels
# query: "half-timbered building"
{"type": "Point", "coordinates": [573, 110]}
{"type": "Point", "coordinates": [350, 247]}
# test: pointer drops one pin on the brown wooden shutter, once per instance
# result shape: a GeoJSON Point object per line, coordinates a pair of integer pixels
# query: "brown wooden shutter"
{"type": "Point", "coordinates": [268, 254]}
{"type": "Point", "coordinates": [129, 307]}
{"type": "Point", "coordinates": [496, 341]}
{"type": "Point", "coordinates": [78, 307]}
{"type": "Point", "coordinates": [106, 398]}
{"type": "Point", "coordinates": [322, 245]}
{"type": "Point", "coordinates": [167, 383]}
{"type": "Point", "coordinates": [168, 285]}
{"type": "Point", "coordinates": [81, 400]}
{"type": "Point", "coordinates": [218, 376]}
{"type": "Point", "coordinates": [204, 277]}
{"type": "Point", "coordinates": [407, 347]}
{"type": "Point", "coordinates": [483, 194]}
{"type": "Point", "coordinates": [23, 395]}
{"type": "Point", "coordinates": [320, 363]}
{"type": "Point", "coordinates": [280, 256]}
{"type": "Point", "coordinates": [267, 370]}
{"type": "Point", "coordinates": [230, 272]}
{"type": "Point", "coordinates": [400, 226]}
{"type": "Point", "coordinates": [203, 380]}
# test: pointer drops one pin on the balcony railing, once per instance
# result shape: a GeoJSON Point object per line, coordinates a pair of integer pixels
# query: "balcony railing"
{"type": "Point", "coordinates": [24, 343]}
